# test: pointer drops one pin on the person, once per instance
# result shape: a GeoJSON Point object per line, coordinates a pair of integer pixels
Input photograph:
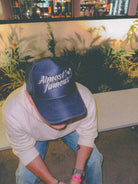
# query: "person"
{"type": "Point", "coordinates": [51, 106]}
{"type": "Point", "coordinates": [87, 11]}
{"type": "Point", "coordinates": [92, 11]}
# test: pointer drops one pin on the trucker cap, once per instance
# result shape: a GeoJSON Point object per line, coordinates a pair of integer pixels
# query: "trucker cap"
{"type": "Point", "coordinates": [53, 90]}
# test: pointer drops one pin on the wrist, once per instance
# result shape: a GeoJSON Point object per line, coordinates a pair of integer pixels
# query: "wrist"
{"type": "Point", "coordinates": [54, 181]}
{"type": "Point", "coordinates": [78, 172]}
{"type": "Point", "coordinates": [74, 177]}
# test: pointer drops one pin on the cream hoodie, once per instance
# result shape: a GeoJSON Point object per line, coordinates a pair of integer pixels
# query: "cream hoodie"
{"type": "Point", "coordinates": [24, 127]}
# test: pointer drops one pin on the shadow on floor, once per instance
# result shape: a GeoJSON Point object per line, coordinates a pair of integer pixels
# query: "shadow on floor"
{"type": "Point", "coordinates": [119, 148]}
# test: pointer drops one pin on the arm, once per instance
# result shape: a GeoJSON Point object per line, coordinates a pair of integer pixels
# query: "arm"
{"type": "Point", "coordinates": [87, 131]}
{"type": "Point", "coordinates": [82, 156]}
{"type": "Point", "coordinates": [38, 167]}
{"type": "Point", "coordinates": [23, 146]}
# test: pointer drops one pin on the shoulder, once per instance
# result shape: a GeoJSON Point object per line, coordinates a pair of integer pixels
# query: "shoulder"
{"type": "Point", "coordinates": [84, 91]}
{"type": "Point", "coordinates": [13, 111]}
{"type": "Point", "coordinates": [86, 95]}
{"type": "Point", "coordinates": [12, 102]}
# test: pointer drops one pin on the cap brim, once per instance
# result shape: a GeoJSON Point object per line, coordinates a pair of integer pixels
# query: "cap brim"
{"type": "Point", "coordinates": [62, 109]}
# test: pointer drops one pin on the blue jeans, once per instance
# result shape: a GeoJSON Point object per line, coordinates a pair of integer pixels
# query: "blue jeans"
{"type": "Point", "coordinates": [93, 167]}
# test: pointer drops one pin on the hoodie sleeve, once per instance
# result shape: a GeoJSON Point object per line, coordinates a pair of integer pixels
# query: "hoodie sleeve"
{"type": "Point", "coordinates": [88, 126]}
{"type": "Point", "coordinates": [21, 141]}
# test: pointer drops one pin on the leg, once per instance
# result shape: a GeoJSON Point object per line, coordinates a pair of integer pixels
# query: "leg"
{"type": "Point", "coordinates": [23, 175]}
{"type": "Point", "coordinates": [71, 140]}
{"type": "Point", "coordinates": [93, 166]}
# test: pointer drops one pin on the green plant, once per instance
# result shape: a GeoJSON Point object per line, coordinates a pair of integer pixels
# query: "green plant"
{"type": "Point", "coordinates": [131, 36]}
{"type": "Point", "coordinates": [79, 43]}
{"type": "Point", "coordinates": [104, 88]}
{"type": "Point", "coordinates": [102, 68]}
{"type": "Point", "coordinates": [51, 40]}
{"type": "Point", "coordinates": [14, 59]}
{"type": "Point", "coordinates": [98, 66]}
{"type": "Point", "coordinates": [74, 59]}
{"type": "Point", "coordinates": [133, 69]}
{"type": "Point", "coordinates": [118, 58]}
{"type": "Point", "coordinates": [16, 79]}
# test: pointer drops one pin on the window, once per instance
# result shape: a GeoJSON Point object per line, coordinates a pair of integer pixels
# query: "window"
{"type": "Point", "coordinates": [119, 7]}
{"type": "Point", "coordinates": [52, 9]}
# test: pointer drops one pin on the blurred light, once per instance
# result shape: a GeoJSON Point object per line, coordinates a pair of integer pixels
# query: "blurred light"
{"type": "Point", "coordinates": [38, 11]}
{"type": "Point", "coordinates": [28, 12]}
{"type": "Point", "coordinates": [46, 14]}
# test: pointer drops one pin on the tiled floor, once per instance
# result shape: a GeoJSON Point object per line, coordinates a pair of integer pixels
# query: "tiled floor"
{"type": "Point", "coordinates": [119, 148]}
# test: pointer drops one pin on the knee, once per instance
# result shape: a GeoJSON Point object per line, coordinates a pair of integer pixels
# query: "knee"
{"type": "Point", "coordinates": [24, 176]}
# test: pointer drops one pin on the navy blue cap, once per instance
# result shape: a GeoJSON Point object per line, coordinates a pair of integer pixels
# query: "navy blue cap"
{"type": "Point", "coordinates": [54, 91]}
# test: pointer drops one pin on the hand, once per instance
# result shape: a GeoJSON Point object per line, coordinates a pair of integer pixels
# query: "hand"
{"type": "Point", "coordinates": [74, 181]}
{"type": "Point", "coordinates": [60, 182]}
